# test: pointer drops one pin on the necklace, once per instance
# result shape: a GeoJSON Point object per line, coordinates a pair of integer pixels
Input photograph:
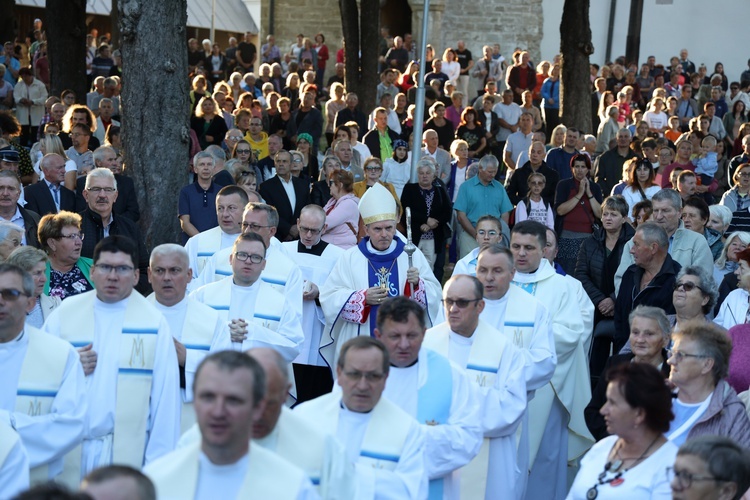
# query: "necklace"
{"type": "Point", "coordinates": [614, 466]}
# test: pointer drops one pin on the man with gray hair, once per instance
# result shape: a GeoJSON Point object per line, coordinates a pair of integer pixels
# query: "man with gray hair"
{"type": "Point", "coordinates": [648, 281]}
{"type": "Point", "coordinates": [12, 211]}
{"type": "Point", "coordinates": [196, 209]}
{"type": "Point", "coordinates": [686, 247]}
{"type": "Point", "coordinates": [10, 239]}
{"type": "Point", "coordinates": [608, 166]}
{"type": "Point", "coordinates": [126, 204]}
{"type": "Point", "coordinates": [196, 328]}
{"type": "Point", "coordinates": [98, 220]}
{"type": "Point", "coordinates": [104, 119]}
{"type": "Point", "coordinates": [48, 195]}
{"type": "Point", "coordinates": [441, 156]}
{"type": "Point", "coordinates": [478, 196]}
{"type": "Point", "coordinates": [221, 176]}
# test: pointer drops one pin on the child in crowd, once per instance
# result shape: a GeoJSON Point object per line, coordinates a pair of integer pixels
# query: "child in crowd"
{"type": "Point", "coordinates": [533, 206]}
{"type": "Point", "coordinates": [674, 132]}
{"type": "Point", "coordinates": [706, 165]}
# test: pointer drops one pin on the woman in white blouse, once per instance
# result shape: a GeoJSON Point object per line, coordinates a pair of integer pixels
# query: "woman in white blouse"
{"type": "Point", "coordinates": [451, 66]}
{"type": "Point", "coordinates": [641, 185]}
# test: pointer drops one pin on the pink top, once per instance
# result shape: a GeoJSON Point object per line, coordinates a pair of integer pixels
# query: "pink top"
{"type": "Point", "coordinates": [342, 218]}
{"type": "Point", "coordinates": [454, 115]}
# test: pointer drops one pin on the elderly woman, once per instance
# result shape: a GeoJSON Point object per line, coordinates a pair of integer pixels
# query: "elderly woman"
{"type": "Point", "coordinates": [694, 296]}
{"type": "Point", "coordinates": [695, 216]}
{"type": "Point", "coordinates": [719, 219]}
{"type": "Point", "coordinates": [649, 336]}
{"type": "Point", "coordinates": [34, 261]}
{"type": "Point", "coordinates": [710, 468]}
{"type": "Point", "coordinates": [578, 205]}
{"type": "Point", "coordinates": [629, 463]}
{"type": "Point", "coordinates": [607, 129]}
{"type": "Point", "coordinates": [373, 170]}
{"type": "Point", "coordinates": [342, 211]}
{"type": "Point", "coordinates": [430, 210]}
{"type": "Point", "coordinates": [734, 308]}
{"type": "Point", "coordinates": [208, 123]}
{"type": "Point", "coordinates": [727, 264]}
{"type": "Point", "coordinates": [737, 199]}
{"type": "Point", "coordinates": [10, 239]}
{"type": "Point", "coordinates": [67, 272]}
{"type": "Point", "coordinates": [320, 192]}
{"type": "Point", "coordinates": [705, 403]}
{"type": "Point", "coordinates": [598, 258]}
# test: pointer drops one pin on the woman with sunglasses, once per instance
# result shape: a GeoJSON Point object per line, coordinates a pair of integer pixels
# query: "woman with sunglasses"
{"type": "Point", "coordinates": [373, 170]}
{"type": "Point", "coordinates": [705, 403]}
{"type": "Point", "coordinates": [640, 185]}
{"type": "Point", "coordinates": [342, 211]}
{"type": "Point", "coordinates": [245, 157]}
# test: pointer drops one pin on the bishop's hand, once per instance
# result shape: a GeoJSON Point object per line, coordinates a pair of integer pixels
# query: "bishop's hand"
{"type": "Point", "coordinates": [412, 276]}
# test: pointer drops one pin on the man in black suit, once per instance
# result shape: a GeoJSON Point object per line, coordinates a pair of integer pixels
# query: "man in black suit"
{"type": "Point", "coordinates": [126, 204]}
{"type": "Point", "coordinates": [288, 194]}
{"type": "Point", "coordinates": [351, 113]}
{"type": "Point", "coordinates": [266, 165]}
{"type": "Point", "coordinates": [48, 196]}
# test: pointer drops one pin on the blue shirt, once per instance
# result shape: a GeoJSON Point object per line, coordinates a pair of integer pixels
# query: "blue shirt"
{"type": "Point", "coordinates": [559, 161]}
{"type": "Point", "coordinates": [200, 205]}
{"type": "Point", "coordinates": [475, 199]}
{"type": "Point", "coordinates": [15, 64]}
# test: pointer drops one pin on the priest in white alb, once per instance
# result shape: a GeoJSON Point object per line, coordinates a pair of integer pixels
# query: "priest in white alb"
{"type": "Point", "coordinates": [224, 463]}
{"type": "Point", "coordinates": [196, 328]}
{"type": "Point", "coordinates": [525, 322]}
{"type": "Point", "coordinates": [280, 272]}
{"type": "Point", "coordinates": [377, 268]}
{"type": "Point", "coordinates": [496, 366]}
{"type": "Point", "coordinates": [281, 431]}
{"type": "Point", "coordinates": [129, 359]}
{"type": "Point", "coordinates": [558, 432]}
{"type": "Point", "coordinates": [258, 315]}
{"type": "Point", "coordinates": [386, 443]}
{"type": "Point", "coordinates": [230, 202]}
{"type": "Point", "coordinates": [14, 463]}
{"type": "Point", "coordinates": [436, 392]}
{"type": "Point", "coordinates": [43, 389]}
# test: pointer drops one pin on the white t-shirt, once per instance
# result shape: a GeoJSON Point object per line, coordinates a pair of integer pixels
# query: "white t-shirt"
{"type": "Point", "coordinates": [648, 479]}
{"type": "Point", "coordinates": [656, 120]}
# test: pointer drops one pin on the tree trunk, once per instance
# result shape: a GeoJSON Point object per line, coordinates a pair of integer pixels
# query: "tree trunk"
{"type": "Point", "coordinates": [66, 47]}
{"type": "Point", "coordinates": [361, 30]}
{"type": "Point", "coordinates": [155, 125]}
{"type": "Point", "coordinates": [114, 16]}
{"type": "Point", "coordinates": [575, 81]}
{"type": "Point", "coordinates": [369, 26]}
{"type": "Point", "coordinates": [633, 42]}
{"type": "Point", "coordinates": [8, 25]}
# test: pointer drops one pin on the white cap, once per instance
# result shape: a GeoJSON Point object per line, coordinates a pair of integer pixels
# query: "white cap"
{"type": "Point", "coordinates": [377, 204]}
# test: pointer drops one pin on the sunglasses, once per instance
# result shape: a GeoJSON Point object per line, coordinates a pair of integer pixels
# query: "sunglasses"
{"type": "Point", "coordinates": [687, 286]}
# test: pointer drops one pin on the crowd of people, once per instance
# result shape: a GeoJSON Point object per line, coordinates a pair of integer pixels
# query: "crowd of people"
{"type": "Point", "coordinates": [334, 325]}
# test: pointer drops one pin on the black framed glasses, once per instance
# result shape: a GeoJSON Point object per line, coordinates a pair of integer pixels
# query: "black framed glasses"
{"type": "Point", "coordinates": [680, 356]}
{"type": "Point", "coordinates": [685, 479]}
{"type": "Point", "coordinates": [303, 229]}
{"type": "Point", "coordinates": [370, 377]}
{"type": "Point", "coordinates": [252, 257]}
{"type": "Point", "coordinates": [119, 270]}
{"type": "Point", "coordinates": [460, 303]}
{"type": "Point", "coordinates": [252, 227]}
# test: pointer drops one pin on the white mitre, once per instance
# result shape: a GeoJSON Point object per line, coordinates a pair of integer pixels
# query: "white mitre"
{"type": "Point", "coordinates": [377, 204]}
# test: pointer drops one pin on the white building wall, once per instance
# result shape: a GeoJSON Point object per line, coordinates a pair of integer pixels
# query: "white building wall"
{"type": "Point", "coordinates": [712, 31]}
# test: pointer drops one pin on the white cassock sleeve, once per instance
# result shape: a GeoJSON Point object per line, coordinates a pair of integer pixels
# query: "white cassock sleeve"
{"type": "Point", "coordinates": [407, 480]}
{"type": "Point", "coordinates": [293, 290]}
{"type": "Point", "coordinates": [454, 444]}
{"type": "Point", "coordinates": [165, 404]}
{"type": "Point", "coordinates": [14, 472]}
{"type": "Point", "coordinates": [338, 478]}
{"type": "Point", "coordinates": [540, 357]}
{"type": "Point", "coordinates": [193, 357]}
{"type": "Point", "coordinates": [49, 437]}
{"type": "Point", "coordinates": [505, 402]}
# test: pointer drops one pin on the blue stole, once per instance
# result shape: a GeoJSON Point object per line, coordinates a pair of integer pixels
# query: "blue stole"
{"type": "Point", "coordinates": [529, 288]}
{"type": "Point", "coordinates": [434, 403]}
{"type": "Point", "coordinates": [382, 272]}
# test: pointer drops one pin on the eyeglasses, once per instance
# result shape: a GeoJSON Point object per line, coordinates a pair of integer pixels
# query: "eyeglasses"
{"type": "Point", "coordinates": [537, 183]}
{"type": "Point", "coordinates": [252, 227]}
{"type": "Point", "coordinates": [680, 356]}
{"type": "Point", "coordinates": [482, 232]}
{"type": "Point", "coordinates": [119, 270]}
{"type": "Point", "coordinates": [11, 294]}
{"type": "Point", "coordinates": [73, 236]}
{"type": "Point", "coordinates": [244, 257]}
{"type": "Point", "coordinates": [97, 190]}
{"type": "Point", "coordinates": [685, 478]}
{"type": "Point", "coordinates": [368, 376]}
{"type": "Point", "coordinates": [686, 286]}
{"type": "Point", "coordinates": [460, 303]}
{"type": "Point", "coordinates": [744, 174]}
{"type": "Point", "coordinates": [296, 160]}
{"type": "Point", "coordinates": [243, 151]}
{"type": "Point", "coordinates": [373, 168]}
{"type": "Point", "coordinates": [232, 138]}
{"type": "Point", "coordinates": [303, 229]}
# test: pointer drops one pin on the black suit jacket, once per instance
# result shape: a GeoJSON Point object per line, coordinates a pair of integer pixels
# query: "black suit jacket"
{"type": "Point", "coordinates": [126, 204]}
{"type": "Point", "coordinates": [372, 140]}
{"type": "Point", "coordinates": [39, 199]}
{"type": "Point", "coordinates": [274, 194]}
